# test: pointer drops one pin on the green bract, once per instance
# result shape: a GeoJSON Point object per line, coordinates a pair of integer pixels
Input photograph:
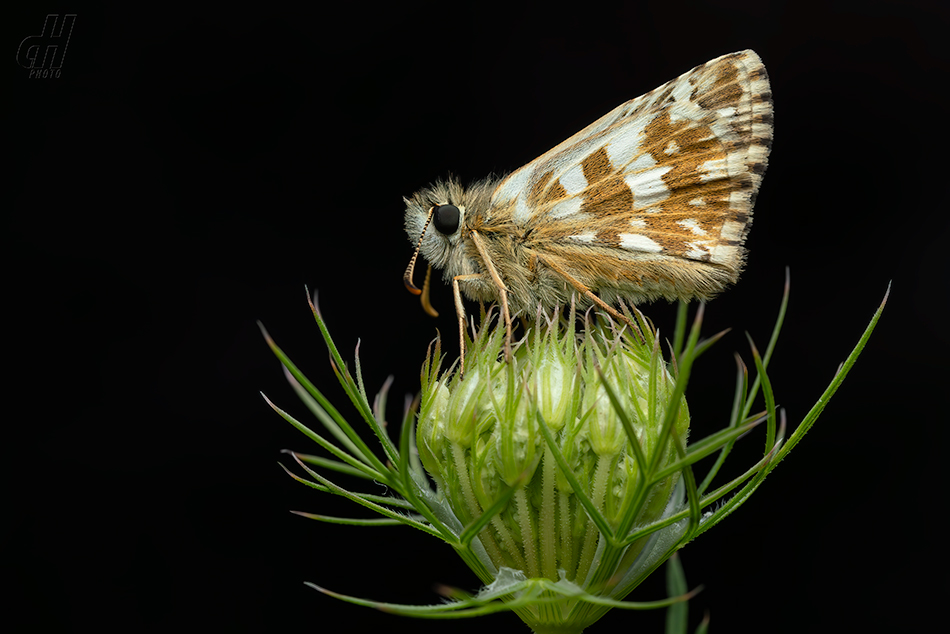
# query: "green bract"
{"type": "Point", "coordinates": [562, 476]}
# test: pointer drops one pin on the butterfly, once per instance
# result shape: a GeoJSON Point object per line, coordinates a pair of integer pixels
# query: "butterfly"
{"type": "Point", "coordinates": [653, 200]}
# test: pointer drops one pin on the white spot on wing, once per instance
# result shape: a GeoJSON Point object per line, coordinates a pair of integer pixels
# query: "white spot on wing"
{"type": "Point", "coordinates": [522, 213]}
{"type": "Point", "coordinates": [636, 242]}
{"type": "Point", "coordinates": [573, 180]}
{"type": "Point", "coordinates": [714, 170]}
{"type": "Point", "coordinates": [511, 189]}
{"type": "Point", "coordinates": [625, 143]}
{"type": "Point", "coordinates": [646, 182]}
{"type": "Point", "coordinates": [681, 90]}
{"type": "Point", "coordinates": [567, 207]}
{"type": "Point", "coordinates": [642, 163]}
{"type": "Point", "coordinates": [512, 186]}
{"type": "Point", "coordinates": [692, 225]}
{"type": "Point", "coordinates": [697, 251]}
{"type": "Point", "coordinates": [586, 237]}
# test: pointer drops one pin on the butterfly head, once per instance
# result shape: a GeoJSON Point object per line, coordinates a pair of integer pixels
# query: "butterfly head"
{"type": "Point", "coordinates": [438, 220]}
{"type": "Point", "coordinates": [435, 231]}
{"type": "Point", "coordinates": [435, 228]}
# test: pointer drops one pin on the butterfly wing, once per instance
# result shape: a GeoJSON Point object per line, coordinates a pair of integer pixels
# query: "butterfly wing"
{"type": "Point", "coordinates": [664, 180]}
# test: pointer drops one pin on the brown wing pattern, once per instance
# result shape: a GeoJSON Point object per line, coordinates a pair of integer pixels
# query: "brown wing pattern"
{"type": "Point", "coordinates": [669, 176]}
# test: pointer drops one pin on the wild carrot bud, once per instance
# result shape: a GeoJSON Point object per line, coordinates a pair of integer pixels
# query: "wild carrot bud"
{"type": "Point", "coordinates": [562, 473]}
{"type": "Point", "coordinates": [600, 397]}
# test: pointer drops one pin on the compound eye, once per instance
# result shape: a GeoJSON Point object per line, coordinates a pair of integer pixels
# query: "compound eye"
{"type": "Point", "coordinates": [446, 219]}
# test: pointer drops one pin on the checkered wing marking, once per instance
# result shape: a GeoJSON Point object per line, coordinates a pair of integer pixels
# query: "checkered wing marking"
{"type": "Point", "coordinates": [672, 174]}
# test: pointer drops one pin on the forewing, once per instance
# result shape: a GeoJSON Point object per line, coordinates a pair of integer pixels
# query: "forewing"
{"type": "Point", "coordinates": [670, 174]}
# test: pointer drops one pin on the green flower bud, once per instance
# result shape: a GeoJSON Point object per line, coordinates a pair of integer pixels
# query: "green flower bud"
{"type": "Point", "coordinates": [496, 451]}
{"type": "Point", "coordinates": [554, 375]}
{"type": "Point", "coordinates": [431, 431]}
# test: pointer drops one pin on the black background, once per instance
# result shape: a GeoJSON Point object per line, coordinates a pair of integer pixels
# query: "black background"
{"type": "Point", "coordinates": [194, 168]}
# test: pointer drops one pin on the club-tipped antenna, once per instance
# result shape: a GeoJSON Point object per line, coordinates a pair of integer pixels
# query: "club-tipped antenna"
{"type": "Point", "coordinates": [407, 276]}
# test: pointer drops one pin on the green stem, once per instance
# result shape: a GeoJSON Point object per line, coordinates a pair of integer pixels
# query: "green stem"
{"type": "Point", "coordinates": [567, 533]}
{"type": "Point", "coordinates": [508, 542]}
{"type": "Point", "coordinates": [548, 525]}
{"type": "Point", "coordinates": [471, 502]}
{"type": "Point", "coordinates": [472, 507]}
{"type": "Point", "coordinates": [591, 534]}
{"type": "Point", "coordinates": [528, 534]}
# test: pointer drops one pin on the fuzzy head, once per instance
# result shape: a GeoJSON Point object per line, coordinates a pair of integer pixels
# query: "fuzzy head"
{"type": "Point", "coordinates": [438, 221]}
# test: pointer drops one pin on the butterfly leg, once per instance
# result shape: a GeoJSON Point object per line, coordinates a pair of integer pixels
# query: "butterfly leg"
{"type": "Point", "coordinates": [460, 311]}
{"type": "Point", "coordinates": [577, 284]}
{"type": "Point", "coordinates": [500, 286]}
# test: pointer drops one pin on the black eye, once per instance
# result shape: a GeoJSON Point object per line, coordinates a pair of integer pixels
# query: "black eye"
{"type": "Point", "coordinates": [446, 219]}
